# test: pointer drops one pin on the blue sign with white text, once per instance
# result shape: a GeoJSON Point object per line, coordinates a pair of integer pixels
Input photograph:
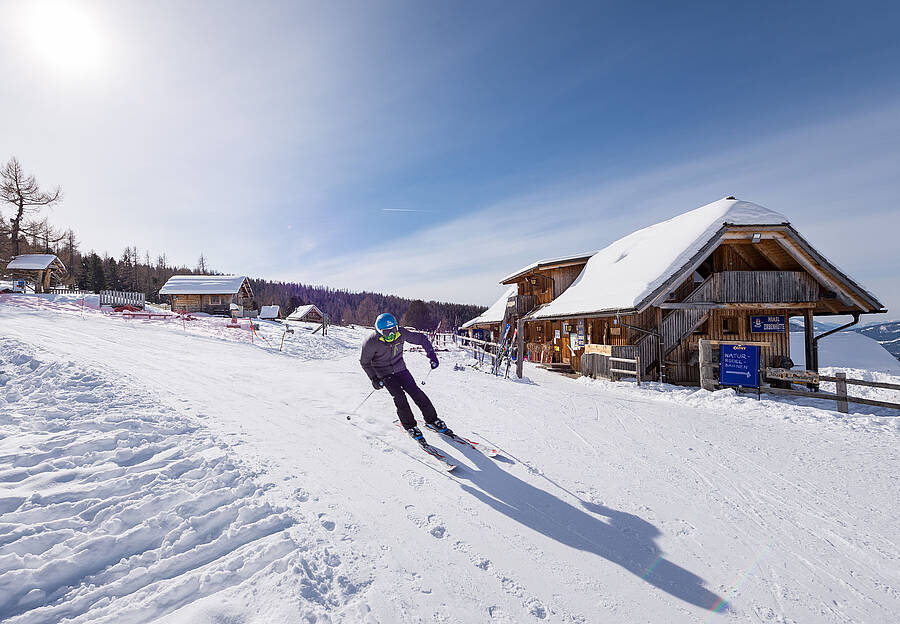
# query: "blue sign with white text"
{"type": "Point", "coordinates": [739, 365]}
{"type": "Point", "coordinates": [766, 324]}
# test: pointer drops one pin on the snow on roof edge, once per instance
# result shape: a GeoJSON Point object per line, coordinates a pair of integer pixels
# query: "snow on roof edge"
{"type": "Point", "coordinates": [203, 285]}
{"type": "Point", "coordinates": [645, 259]}
{"type": "Point", "coordinates": [495, 313]}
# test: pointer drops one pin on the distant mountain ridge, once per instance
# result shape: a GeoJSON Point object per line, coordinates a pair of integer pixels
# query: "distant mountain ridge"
{"type": "Point", "coordinates": [887, 334]}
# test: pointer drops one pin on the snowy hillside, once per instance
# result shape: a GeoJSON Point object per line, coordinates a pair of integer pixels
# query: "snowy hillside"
{"type": "Point", "coordinates": [847, 350]}
{"type": "Point", "coordinates": [160, 471]}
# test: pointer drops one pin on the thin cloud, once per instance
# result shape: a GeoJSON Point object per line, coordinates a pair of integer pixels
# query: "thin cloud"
{"type": "Point", "coordinates": [828, 179]}
{"type": "Point", "coordinates": [403, 210]}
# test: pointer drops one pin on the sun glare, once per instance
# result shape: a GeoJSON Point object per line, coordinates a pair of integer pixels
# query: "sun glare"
{"type": "Point", "coordinates": [66, 36]}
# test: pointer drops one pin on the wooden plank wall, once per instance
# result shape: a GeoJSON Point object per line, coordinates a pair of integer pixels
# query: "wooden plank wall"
{"type": "Point", "coordinates": [686, 355]}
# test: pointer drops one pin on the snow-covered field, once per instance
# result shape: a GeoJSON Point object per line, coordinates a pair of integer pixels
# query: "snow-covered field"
{"type": "Point", "coordinates": [154, 471]}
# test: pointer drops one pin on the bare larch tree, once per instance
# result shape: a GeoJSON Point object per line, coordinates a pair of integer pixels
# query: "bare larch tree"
{"type": "Point", "coordinates": [25, 194]}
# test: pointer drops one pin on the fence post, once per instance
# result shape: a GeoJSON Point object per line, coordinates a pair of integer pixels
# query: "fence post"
{"type": "Point", "coordinates": [520, 347]}
{"type": "Point", "coordinates": [841, 388]}
{"type": "Point", "coordinates": [707, 377]}
{"type": "Point", "coordinates": [637, 366]}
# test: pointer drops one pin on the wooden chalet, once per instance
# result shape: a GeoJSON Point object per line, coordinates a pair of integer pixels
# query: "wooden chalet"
{"type": "Point", "coordinates": [306, 314]}
{"type": "Point", "coordinates": [486, 326]}
{"type": "Point", "coordinates": [40, 269]}
{"type": "Point", "coordinates": [270, 313]}
{"type": "Point", "coordinates": [212, 294]}
{"type": "Point", "coordinates": [731, 271]}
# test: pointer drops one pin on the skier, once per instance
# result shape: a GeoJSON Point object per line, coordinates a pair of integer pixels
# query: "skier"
{"type": "Point", "coordinates": [382, 359]}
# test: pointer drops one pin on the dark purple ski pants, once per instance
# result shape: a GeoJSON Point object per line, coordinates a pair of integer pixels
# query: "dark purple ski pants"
{"type": "Point", "coordinates": [399, 385]}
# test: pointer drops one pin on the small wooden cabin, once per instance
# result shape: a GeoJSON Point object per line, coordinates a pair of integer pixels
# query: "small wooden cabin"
{"type": "Point", "coordinates": [270, 312]}
{"type": "Point", "coordinates": [730, 270]}
{"type": "Point", "coordinates": [212, 294]}
{"type": "Point", "coordinates": [486, 325]}
{"type": "Point", "coordinates": [40, 269]}
{"type": "Point", "coordinates": [306, 314]}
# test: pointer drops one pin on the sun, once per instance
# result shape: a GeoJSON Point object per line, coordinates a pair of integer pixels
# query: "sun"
{"type": "Point", "coordinates": [66, 36]}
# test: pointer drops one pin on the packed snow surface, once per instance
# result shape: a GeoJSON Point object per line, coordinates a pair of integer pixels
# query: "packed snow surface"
{"type": "Point", "coordinates": [202, 285]}
{"type": "Point", "coordinates": [622, 275]}
{"type": "Point", "coordinates": [174, 471]}
{"type": "Point", "coordinates": [495, 313]}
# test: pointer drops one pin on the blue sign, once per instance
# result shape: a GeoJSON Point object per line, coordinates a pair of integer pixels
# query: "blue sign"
{"type": "Point", "coordinates": [765, 324]}
{"type": "Point", "coordinates": [739, 365]}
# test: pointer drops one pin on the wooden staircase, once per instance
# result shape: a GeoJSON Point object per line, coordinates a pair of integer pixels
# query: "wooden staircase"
{"type": "Point", "coordinates": [676, 326]}
{"type": "Point", "coordinates": [561, 368]}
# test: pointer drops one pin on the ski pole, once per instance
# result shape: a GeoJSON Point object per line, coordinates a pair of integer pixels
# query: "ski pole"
{"type": "Point", "coordinates": [426, 376]}
{"type": "Point", "coordinates": [360, 405]}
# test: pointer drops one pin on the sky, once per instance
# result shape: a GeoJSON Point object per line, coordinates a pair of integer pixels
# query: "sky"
{"type": "Point", "coordinates": [428, 149]}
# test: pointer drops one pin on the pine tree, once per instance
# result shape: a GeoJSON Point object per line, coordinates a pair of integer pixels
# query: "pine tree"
{"type": "Point", "coordinates": [366, 312]}
{"type": "Point", "coordinates": [417, 316]}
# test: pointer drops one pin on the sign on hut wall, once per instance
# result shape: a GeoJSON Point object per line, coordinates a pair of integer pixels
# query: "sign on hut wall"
{"type": "Point", "coordinates": [739, 365]}
{"type": "Point", "coordinates": [580, 333]}
{"type": "Point", "coordinates": [766, 324]}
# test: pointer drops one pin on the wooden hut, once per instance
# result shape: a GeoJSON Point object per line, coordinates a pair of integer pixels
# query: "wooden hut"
{"type": "Point", "coordinates": [270, 313]}
{"type": "Point", "coordinates": [38, 268]}
{"type": "Point", "coordinates": [486, 326]}
{"type": "Point", "coordinates": [306, 314]}
{"type": "Point", "coordinates": [731, 270]}
{"type": "Point", "coordinates": [212, 294]}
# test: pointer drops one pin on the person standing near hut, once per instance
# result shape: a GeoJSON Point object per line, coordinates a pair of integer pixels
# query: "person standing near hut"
{"type": "Point", "coordinates": [382, 359]}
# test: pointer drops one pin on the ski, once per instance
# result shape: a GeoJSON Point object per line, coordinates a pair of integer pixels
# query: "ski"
{"type": "Point", "coordinates": [434, 452]}
{"type": "Point", "coordinates": [478, 446]}
{"type": "Point", "coordinates": [443, 459]}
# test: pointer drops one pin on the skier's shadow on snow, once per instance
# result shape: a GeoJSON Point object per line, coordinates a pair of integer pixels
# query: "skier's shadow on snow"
{"type": "Point", "coordinates": [625, 539]}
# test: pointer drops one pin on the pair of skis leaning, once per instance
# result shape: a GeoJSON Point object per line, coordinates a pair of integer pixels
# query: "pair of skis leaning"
{"type": "Point", "coordinates": [444, 459]}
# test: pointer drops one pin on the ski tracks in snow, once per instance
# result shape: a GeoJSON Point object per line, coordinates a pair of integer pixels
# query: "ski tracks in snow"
{"type": "Point", "coordinates": [116, 509]}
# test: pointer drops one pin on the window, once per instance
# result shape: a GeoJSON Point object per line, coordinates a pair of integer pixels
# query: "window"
{"type": "Point", "coordinates": [215, 300]}
{"type": "Point", "coordinates": [729, 325]}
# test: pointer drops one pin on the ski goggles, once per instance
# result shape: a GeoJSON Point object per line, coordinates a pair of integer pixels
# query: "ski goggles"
{"type": "Point", "coordinates": [389, 334]}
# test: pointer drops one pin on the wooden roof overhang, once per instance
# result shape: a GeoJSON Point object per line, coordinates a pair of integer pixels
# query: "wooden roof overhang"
{"type": "Point", "coordinates": [849, 297]}
{"type": "Point", "coordinates": [546, 266]}
{"type": "Point", "coordinates": [245, 289]}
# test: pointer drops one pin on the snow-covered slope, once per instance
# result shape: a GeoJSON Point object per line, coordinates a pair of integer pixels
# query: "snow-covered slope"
{"type": "Point", "coordinates": [847, 350]}
{"type": "Point", "coordinates": [153, 471]}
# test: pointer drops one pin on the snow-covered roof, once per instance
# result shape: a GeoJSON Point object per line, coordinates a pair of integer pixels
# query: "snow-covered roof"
{"type": "Point", "coordinates": [269, 312]}
{"type": "Point", "coordinates": [493, 314]}
{"type": "Point", "coordinates": [203, 285]}
{"type": "Point", "coordinates": [548, 262]}
{"type": "Point", "coordinates": [622, 275]}
{"type": "Point", "coordinates": [302, 311]}
{"type": "Point", "coordinates": [33, 262]}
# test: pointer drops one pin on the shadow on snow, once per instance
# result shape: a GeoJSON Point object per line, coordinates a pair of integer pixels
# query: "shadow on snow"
{"type": "Point", "coordinates": [626, 540]}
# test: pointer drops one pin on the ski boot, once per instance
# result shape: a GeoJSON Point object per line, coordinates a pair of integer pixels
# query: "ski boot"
{"type": "Point", "coordinates": [441, 427]}
{"type": "Point", "coordinates": [416, 435]}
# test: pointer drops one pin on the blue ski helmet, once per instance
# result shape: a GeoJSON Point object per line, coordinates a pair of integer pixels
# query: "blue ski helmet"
{"type": "Point", "coordinates": [386, 325]}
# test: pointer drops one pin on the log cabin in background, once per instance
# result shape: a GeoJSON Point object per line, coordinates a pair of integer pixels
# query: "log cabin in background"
{"type": "Point", "coordinates": [40, 269]}
{"type": "Point", "coordinates": [212, 294]}
{"type": "Point", "coordinates": [306, 314]}
{"type": "Point", "coordinates": [486, 326]}
{"type": "Point", "coordinates": [731, 270]}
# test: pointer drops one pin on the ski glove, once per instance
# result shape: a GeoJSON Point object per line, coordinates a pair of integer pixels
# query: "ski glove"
{"type": "Point", "coordinates": [377, 384]}
{"type": "Point", "coordinates": [434, 361]}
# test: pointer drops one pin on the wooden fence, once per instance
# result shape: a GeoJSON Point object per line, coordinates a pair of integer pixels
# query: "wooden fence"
{"type": "Point", "coordinates": [481, 349]}
{"type": "Point", "coordinates": [840, 395]}
{"type": "Point", "coordinates": [595, 365]}
{"type": "Point", "coordinates": [120, 298]}
{"type": "Point", "coordinates": [65, 290]}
